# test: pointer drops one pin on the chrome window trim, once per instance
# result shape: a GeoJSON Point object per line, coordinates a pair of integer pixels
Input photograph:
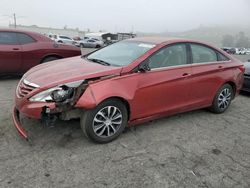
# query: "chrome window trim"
{"type": "Point", "coordinates": [188, 64]}
{"type": "Point", "coordinates": [171, 67]}
{"type": "Point", "coordinates": [213, 62]}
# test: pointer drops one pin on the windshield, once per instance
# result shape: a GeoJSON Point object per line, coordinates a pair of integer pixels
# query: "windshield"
{"type": "Point", "coordinates": [121, 53]}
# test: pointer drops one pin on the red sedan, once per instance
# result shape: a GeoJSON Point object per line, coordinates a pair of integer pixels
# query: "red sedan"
{"type": "Point", "coordinates": [128, 83]}
{"type": "Point", "coordinates": [21, 50]}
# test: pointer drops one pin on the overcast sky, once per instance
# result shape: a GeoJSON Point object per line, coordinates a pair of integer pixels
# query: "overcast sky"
{"type": "Point", "coordinates": [127, 15]}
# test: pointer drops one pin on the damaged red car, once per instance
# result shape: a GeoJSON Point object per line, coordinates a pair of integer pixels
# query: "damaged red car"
{"type": "Point", "coordinates": [128, 83]}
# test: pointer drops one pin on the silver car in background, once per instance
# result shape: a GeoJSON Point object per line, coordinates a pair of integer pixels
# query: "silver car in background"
{"type": "Point", "coordinates": [90, 43]}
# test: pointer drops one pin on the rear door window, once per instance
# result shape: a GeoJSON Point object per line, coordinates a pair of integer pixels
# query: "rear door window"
{"type": "Point", "coordinates": [173, 55]}
{"type": "Point", "coordinates": [203, 54]}
{"type": "Point", "coordinates": [8, 38]}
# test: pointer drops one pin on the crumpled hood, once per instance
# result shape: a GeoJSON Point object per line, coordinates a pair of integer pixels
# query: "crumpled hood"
{"type": "Point", "coordinates": [67, 70]}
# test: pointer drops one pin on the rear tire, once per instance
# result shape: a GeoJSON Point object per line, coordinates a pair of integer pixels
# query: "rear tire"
{"type": "Point", "coordinates": [106, 122]}
{"type": "Point", "coordinates": [222, 99]}
{"type": "Point", "coordinates": [51, 58]}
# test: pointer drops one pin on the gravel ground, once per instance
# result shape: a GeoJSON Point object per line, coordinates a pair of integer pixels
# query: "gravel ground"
{"type": "Point", "coordinates": [194, 149]}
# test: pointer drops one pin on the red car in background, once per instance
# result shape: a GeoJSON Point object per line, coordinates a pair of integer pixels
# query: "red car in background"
{"type": "Point", "coordinates": [21, 50]}
{"type": "Point", "coordinates": [127, 83]}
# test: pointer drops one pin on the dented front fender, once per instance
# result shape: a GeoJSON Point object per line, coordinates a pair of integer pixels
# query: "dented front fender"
{"type": "Point", "coordinates": [87, 100]}
{"type": "Point", "coordinates": [121, 87]}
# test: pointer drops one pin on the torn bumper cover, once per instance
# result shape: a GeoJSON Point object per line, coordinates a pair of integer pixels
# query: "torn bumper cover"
{"type": "Point", "coordinates": [45, 116]}
{"type": "Point", "coordinates": [30, 110]}
{"type": "Point", "coordinates": [17, 123]}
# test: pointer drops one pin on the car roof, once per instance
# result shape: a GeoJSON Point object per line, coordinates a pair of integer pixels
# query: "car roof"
{"type": "Point", "coordinates": [160, 40]}
{"type": "Point", "coordinates": [35, 35]}
{"type": "Point", "coordinates": [169, 40]}
{"type": "Point", "coordinates": [17, 30]}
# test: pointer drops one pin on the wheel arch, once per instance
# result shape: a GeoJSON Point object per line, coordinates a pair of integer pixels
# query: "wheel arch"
{"type": "Point", "coordinates": [89, 101]}
{"type": "Point", "coordinates": [50, 55]}
{"type": "Point", "coordinates": [97, 92]}
{"type": "Point", "coordinates": [230, 82]}
{"type": "Point", "coordinates": [123, 100]}
{"type": "Point", "coordinates": [233, 85]}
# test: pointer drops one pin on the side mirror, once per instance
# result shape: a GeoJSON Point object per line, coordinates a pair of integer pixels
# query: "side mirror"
{"type": "Point", "coordinates": [143, 67]}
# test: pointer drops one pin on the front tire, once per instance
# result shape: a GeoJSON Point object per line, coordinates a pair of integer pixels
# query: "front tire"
{"type": "Point", "coordinates": [222, 99]}
{"type": "Point", "coordinates": [106, 122]}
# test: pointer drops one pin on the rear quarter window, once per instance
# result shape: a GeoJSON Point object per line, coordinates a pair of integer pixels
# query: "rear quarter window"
{"type": "Point", "coordinates": [24, 38]}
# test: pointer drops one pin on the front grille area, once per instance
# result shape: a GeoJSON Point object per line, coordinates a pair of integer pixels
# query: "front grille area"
{"type": "Point", "coordinates": [24, 88]}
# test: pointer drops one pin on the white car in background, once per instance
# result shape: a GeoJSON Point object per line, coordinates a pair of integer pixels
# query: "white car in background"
{"type": "Point", "coordinates": [242, 51]}
{"type": "Point", "coordinates": [248, 51]}
{"type": "Point", "coordinates": [90, 43]}
{"type": "Point", "coordinates": [62, 39]}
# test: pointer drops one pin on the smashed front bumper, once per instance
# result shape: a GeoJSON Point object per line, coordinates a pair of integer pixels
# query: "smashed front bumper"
{"type": "Point", "coordinates": [30, 110]}
{"type": "Point", "coordinates": [46, 114]}
{"type": "Point", "coordinates": [17, 123]}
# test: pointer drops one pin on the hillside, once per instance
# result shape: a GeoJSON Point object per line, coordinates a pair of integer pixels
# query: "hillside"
{"type": "Point", "coordinates": [212, 35]}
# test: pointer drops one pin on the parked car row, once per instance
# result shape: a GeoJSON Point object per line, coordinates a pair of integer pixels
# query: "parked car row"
{"type": "Point", "coordinates": [237, 51]}
{"type": "Point", "coordinates": [78, 41]}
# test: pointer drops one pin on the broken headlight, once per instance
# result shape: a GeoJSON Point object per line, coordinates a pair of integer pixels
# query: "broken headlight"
{"type": "Point", "coordinates": [62, 94]}
{"type": "Point", "coordinates": [57, 94]}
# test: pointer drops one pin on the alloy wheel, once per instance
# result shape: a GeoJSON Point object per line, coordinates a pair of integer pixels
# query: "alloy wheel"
{"type": "Point", "coordinates": [224, 98]}
{"type": "Point", "coordinates": [107, 121]}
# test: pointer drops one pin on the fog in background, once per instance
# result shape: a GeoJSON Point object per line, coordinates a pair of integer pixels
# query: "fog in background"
{"type": "Point", "coordinates": [128, 15]}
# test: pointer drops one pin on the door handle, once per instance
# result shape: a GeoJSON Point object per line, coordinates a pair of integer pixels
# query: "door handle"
{"type": "Point", "coordinates": [15, 49]}
{"type": "Point", "coordinates": [186, 74]}
{"type": "Point", "coordinates": [221, 68]}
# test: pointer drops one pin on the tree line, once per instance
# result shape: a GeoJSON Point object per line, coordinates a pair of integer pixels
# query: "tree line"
{"type": "Point", "coordinates": [240, 40]}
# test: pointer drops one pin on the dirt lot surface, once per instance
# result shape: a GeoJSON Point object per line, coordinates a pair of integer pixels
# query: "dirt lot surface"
{"type": "Point", "coordinates": [194, 149]}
